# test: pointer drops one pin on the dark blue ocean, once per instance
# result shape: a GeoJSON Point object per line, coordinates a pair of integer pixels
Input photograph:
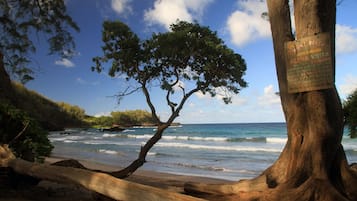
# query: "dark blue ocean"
{"type": "Point", "coordinates": [227, 151]}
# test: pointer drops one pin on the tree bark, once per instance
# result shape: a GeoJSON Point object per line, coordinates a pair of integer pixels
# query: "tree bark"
{"type": "Point", "coordinates": [6, 91]}
{"type": "Point", "coordinates": [98, 182]}
{"type": "Point", "coordinates": [312, 165]}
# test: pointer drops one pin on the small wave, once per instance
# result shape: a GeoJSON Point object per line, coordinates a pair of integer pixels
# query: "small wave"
{"type": "Point", "coordinates": [276, 140]}
{"type": "Point", "coordinates": [202, 167]}
{"type": "Point", "coordinates": [128, 130]}
{"type": "Point", "coordinates": [66, 138]}
{"type": "Point", "coordinates": [223, 148]}
{"type": "Point", "coordinates": [214, 139]}
{"type": "Point", "coordinates": [180, 137]}
{"type": "Point", "coordinates": [108, 151]}
{"type": "Point", "coordinates": [151, 153]}
{"type": "Point", "coordinates": [109, 135]}
{"type": "Point", "coordinates": [146, 136]}
{"type": "Point", "coordinates": [248, 139]}
{"type": "Point", "coordinates": [69, 141]}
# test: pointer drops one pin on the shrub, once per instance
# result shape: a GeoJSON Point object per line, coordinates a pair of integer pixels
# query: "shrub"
{"type": "Point", "coordinates": [23, 134]}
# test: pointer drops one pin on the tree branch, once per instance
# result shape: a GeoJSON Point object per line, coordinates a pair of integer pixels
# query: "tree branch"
{"type": "Point", "coordinates": [180, 106]}
{"type": "Point", "coordinates": [149, 102]}
{"type": "Point", "coordinates": [126, 92]}
{"type": "Point", "coordinates": [171, 104]}
{"type": "Point", "coordinates": [21, 132]}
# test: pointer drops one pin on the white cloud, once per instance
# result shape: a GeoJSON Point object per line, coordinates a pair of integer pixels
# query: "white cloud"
{"type": "Point", "coordinates": [269, 97]}
{"type": "Point", "coordinates": [120, 6]}
{"type": "Point", "coordinates": [220, 94]}
{"type": "Point", "coordinates": [346, 39]}
{"type": "Point", "coordinates": [84, 82]}
{"type": "Point", "coordinates": [166, 12]}
{"type": "Point", "coordinates": [247, 24]}
{"type": "Point", "coordinates": [350, 84]}
{"type": "Point", "coordinates": [64, 62]}
{"type": "Point", "coordinates": [106, 114]}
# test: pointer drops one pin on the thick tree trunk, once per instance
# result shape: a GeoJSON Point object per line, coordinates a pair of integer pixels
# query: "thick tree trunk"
{"type": "Point", "coordinates": [94, 181]}
{"type": "Point", "coordinates": [6, 92]}
{"type": "Point", "coordinates": [312, 166]}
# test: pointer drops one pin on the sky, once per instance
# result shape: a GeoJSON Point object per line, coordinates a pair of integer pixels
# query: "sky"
{"type": "Point", "coordinates": [237, 22]}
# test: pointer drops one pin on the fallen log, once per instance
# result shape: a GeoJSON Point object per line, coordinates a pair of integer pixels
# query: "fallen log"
{"type": "Point", "coordinates": [98, 182]}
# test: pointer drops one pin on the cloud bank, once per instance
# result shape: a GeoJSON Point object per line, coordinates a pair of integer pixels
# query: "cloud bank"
{"type": "Point", "coordinates": [247, 24]}
{"type": "Point", "coordinates": [167, 12]}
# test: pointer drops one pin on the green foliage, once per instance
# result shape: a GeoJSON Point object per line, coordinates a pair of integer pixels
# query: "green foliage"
{"type": "Point", "coordinates": [73, 110]}
{"type": "Point", "coordinates": [187, 53]}
{"type": "Point", "coordinates": [123, 118]}
{"type": "Point", "coordinates": [51, 115]}
{"type": "Point", "coordinates": [19, 20]}
{"type": "Point", "coordinates": [24, 135]}
{"type": "Point", "coordinates": [132, 118]}
{"type": "Point", "coordinates": [188, 59]}
{"type": "Point", "coordinates": [100, 122]}
{"type": "Point", "coordinates": [350, 113]}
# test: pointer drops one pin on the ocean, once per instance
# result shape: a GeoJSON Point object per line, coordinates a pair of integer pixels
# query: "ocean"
{"type": "Point", "coordinates": [225, 151]}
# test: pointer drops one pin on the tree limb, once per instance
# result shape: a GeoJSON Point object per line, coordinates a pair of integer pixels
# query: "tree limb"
{"type": "Point", "coordinates": [98, 182]}
{"type": "Point", "coordinates": [149, 102]}
{"type": "Point", "coordinates": [20, 133]}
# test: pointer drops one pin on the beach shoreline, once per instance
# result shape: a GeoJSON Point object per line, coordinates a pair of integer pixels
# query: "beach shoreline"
{"type": "Point", "coordinates": [51, 191]}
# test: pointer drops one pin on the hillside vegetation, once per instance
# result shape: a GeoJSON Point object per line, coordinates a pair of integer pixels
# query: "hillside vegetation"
{"type": "Point", "coordinates": [126, 118]}
{"type": "Point", "coordinates": [50, 115]}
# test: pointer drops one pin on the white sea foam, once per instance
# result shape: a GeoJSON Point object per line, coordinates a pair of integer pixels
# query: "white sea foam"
{"type": "Point", "coordinates": [151, 153]}
{"type": "Point", "coordinates": [180, 137]}
{"type": "Point", "coordinates": [109, 135]}
{"type": "Point", "coordinates": [223, 148]}
{"type": "Point", "coordinates": [276, 140]}
{"type": "Point", "coordinates": [69, 141]}
{"type": "Point", "coordinates": [128, 130]}
{"type": "Point", "coordinates": [108, 151]}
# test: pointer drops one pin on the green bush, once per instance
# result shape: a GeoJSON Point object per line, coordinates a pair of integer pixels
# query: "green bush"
{"type": "Point", "coordinates": [23, 134]}
{"type": "Point", "coordinates": [350, 113]}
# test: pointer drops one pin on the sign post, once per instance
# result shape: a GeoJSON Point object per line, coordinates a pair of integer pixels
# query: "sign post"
{"type": "Point", "coordinates": [309, 63]}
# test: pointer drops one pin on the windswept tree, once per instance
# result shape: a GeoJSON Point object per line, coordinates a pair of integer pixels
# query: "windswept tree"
{"type": "Point", "coordinates": [312, 165]}
{"type": "Point", "coordinates": [188, 59]}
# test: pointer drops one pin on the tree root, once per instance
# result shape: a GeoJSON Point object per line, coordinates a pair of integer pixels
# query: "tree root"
{"type": "Point", "coordinates": [313, 189]}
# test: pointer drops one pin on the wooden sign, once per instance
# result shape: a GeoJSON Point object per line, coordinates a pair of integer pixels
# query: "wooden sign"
{"type": "Point", "coordinates": [309, 64]}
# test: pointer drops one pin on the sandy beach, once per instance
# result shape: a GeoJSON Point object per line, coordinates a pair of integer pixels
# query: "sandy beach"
{"type": "Point", "coordinates": [50, 191]}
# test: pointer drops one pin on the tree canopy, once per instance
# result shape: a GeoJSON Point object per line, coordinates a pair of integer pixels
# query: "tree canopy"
{"type": "Point", "coordinates": [188, 59]}
{"type": "Point", "coordinates": [20, 21]}
{"type": "Point", "coordinates": [350, 113]}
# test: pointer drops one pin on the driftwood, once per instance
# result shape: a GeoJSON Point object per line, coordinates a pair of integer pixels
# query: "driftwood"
{"type": "Point", "coordinates": [98, 182]}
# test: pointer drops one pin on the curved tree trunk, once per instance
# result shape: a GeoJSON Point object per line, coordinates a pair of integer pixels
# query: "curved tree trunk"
{"type": "Point", "coordinates": [136, 164]}
{"type": "Point", "coordinates": [312, 165]}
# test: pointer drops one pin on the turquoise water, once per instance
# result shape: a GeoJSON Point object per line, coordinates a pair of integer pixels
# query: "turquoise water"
{"type": "Point", "coordinates": [227, 151]}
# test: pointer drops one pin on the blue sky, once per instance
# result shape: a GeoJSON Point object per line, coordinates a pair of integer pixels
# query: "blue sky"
{"type": "Point", "coordinates": [237, 22]}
